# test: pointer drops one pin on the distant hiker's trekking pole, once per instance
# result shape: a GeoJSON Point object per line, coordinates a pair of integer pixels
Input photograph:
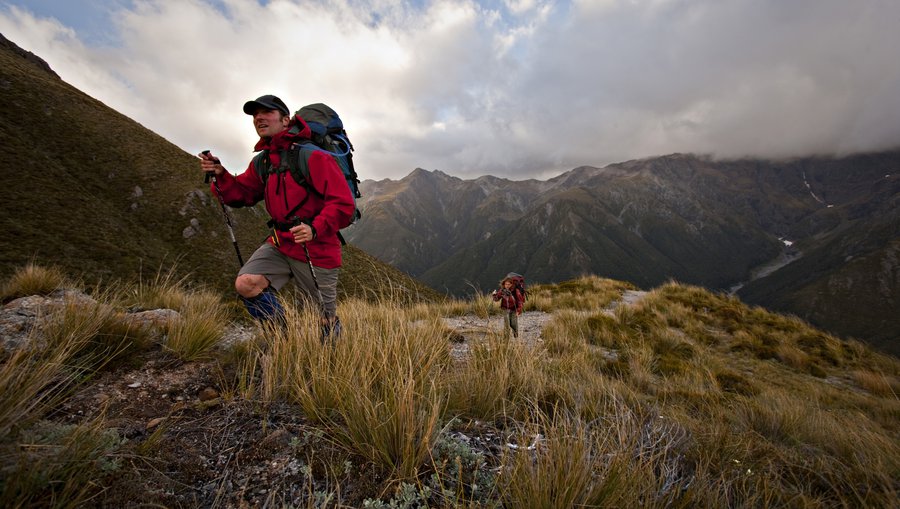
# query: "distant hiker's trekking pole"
{"type": "Point", "coordinates": [224, 210]}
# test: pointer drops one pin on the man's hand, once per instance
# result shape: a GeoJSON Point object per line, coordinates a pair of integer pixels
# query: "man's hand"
{"type": "Point", "coordinates": [210, 164]}
{"type": "Point", "coordinates": [302, 233]}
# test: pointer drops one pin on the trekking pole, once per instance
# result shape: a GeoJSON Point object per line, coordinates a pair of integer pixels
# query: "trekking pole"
{"type": "Point", "coordinates": [312, 272]}
{"type": "Point", "coordinates": [224, 210]}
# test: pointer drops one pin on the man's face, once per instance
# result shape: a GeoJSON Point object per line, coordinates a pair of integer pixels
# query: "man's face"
{"type": "Point", "coordinates": [268, 123]}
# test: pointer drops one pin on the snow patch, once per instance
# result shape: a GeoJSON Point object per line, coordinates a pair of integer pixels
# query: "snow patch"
{"type": "Point", "coordinates": [811, 193]}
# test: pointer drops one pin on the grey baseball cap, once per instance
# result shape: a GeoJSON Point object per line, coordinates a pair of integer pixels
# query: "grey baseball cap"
{"type": "Point", "coordinates": [269, 102]}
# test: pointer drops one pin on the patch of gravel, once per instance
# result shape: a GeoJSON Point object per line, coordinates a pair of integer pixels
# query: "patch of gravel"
{"type": "Point", "coordinates": [472, 327]}
{"type": "Point", "coordinates": [629, 298]}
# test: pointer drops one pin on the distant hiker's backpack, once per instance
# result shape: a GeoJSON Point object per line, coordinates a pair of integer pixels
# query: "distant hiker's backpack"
{"type": "Point", "coordinates": [518, 283]}
{"type": "Point", "coordinates": [328, 135]}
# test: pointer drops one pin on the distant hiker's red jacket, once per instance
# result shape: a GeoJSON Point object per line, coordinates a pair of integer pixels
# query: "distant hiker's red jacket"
{"type": "Point", "coordinates": [510, 300]}
{"type": "Point", "coordinates": [328, 212]}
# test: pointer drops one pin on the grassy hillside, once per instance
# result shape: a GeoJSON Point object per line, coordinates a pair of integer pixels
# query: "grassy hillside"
{"type": "Point", "coordinates": [96, 193]}
{"type": "Point", "coordinates": [673, 397]}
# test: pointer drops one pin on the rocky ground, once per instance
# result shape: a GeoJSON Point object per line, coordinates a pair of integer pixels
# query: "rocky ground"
{"type": "Point", "coordinates": [184, 444]}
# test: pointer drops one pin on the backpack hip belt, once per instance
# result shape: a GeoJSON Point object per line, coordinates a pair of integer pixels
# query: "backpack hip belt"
{"type": "Point", "coordinates": [282, 227]}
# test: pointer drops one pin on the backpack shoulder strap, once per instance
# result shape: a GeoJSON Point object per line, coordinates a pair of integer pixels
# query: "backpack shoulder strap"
{"type": "Point", "coordinates": [262, 165]}
{"type": "Point", "coordinates": [298, 162]}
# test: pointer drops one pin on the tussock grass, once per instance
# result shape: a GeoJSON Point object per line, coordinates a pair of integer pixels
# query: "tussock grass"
{"type": "Point", "coordinates": [47, 464]}
{"type": "Point", "coordinates": [378, 387]}
{"type": "Point", "coordinates": [500, 378]}
{"type": "Point", "coordinates": [238, 371]}
{"type": "Point", "coordinates": [621, 461]}
{"type": "Point", "coordinates": [878, 384]}
{"type": "Point", "coordinates": [77, 339]}
{"type": "Point", "coordinates": [481, 306]}
{"type": "Point", "coordinates": [55, 465]}
{"type": "Point", "coordinates": [565, 333]}
{"type": "Point", "coordinates": [199, 327]}
{"type": "Point", "coordinates": [167, 290]}
{"type": "Point", "coordinates": [588, 293]}
{"type": "Point", "coordinates": [32, 279]}
{"type": "Point", "coordinates": [99, 334]}
{"type": "Point", "coordinates": [32, 382]}
{"type": "Point", "coordinates": [553, 463]}
{"type": "Point", "coordinates": [605, 331]}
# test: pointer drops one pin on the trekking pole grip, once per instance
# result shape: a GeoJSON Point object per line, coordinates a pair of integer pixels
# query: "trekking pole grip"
{"type": "Point", "coordinates": [209, 176]}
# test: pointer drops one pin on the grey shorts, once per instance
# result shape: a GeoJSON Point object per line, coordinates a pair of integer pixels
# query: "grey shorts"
{"type": "Point", "coordinates": [268, 261]}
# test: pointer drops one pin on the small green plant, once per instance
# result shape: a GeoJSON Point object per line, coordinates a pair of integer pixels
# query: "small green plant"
{"type": "Point", "coordinates": [406, 496]}
{"type": "Point", "coordinates": [461, 475]}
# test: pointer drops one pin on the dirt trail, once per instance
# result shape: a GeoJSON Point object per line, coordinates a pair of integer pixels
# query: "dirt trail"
{"type": "Point", "coordinates": [629, 298]}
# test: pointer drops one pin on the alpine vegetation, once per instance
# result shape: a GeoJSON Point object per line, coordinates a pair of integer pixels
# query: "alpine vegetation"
{"type": "Point", "coordinates": [610, 396]}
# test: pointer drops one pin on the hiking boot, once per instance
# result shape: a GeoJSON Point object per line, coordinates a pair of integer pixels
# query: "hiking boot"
{"type": "Point", "coordinates": [331, 330]}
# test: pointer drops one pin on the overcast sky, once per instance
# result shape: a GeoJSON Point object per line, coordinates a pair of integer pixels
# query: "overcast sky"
{"type": "Point", "coordinates": [513, 88]}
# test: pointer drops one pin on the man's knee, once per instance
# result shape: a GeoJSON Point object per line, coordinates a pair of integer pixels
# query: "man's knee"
{"type": "Point", "coordinates": [250, 285]}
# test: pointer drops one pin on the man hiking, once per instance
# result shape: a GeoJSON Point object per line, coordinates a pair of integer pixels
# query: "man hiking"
{"type": "Point", "coordinates": [306, 216]}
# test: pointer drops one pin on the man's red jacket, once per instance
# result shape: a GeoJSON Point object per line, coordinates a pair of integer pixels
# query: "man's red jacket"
{"type": "Point", "coordinates": [328, 211]}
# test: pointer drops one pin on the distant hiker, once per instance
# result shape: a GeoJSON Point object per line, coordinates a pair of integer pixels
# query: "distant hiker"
{"type": "Point", "coordinates": [306, 217]}
{"type": "Point", "coordinates": [511, 299]}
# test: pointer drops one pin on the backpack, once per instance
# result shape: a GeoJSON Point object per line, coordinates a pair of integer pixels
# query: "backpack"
{"type": "Point", "coordinates": [519, 283]}
{"type": "Point", "coordinates": [328, 135]}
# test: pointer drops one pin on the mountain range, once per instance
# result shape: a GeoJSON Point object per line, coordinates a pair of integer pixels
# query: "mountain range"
{"type": "Point", "coordinates": [818, 237]}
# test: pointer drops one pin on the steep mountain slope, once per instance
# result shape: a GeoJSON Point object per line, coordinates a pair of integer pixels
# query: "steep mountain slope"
{"type": "Point", "coordinates": [848, 277]}
{"type": "Point", "coordinates": [92, 191]}
{"type": "Point", "coordinates": [418, 221]}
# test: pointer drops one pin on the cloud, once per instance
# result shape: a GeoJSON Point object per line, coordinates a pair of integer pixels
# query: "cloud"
{"type": "Point", "coordinates": [517, 88]}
